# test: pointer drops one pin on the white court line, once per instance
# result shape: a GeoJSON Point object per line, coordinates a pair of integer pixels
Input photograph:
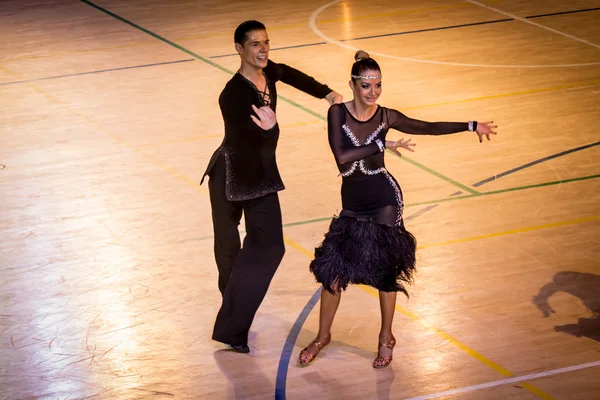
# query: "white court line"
{"type": "Point", "coordinates": [533, 23]}
{"type": "Point", "coordinates": [507, 381]}
{"type": "Point", "coordinates": [313, 25]}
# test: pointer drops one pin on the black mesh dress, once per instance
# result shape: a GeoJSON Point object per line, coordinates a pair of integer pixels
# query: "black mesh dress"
{"type": "Point", "coordinates": [368, 243]}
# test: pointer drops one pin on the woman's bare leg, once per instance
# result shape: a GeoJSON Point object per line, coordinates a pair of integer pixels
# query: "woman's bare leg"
{"type": "Point", "coordinates": [387, 304]}
{"type": "Point", "coordinates": [328, 308]}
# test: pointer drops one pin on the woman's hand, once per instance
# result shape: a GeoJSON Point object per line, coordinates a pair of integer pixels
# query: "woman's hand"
{"type": "Point", "coordinates": [485, 128]}
{"type": "Point", "coordinates": [405, 144]}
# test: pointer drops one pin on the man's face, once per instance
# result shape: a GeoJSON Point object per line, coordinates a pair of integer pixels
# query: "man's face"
{"type": "Point", "coordinates": [255, 50]}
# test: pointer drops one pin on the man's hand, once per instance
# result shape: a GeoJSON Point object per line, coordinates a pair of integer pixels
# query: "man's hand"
{"type": "Point", "coordinates": [334, 98]}
{"type": "Point", "coordinates": [266, 117]}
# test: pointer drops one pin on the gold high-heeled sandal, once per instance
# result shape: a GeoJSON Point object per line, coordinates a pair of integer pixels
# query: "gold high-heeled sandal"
{"type": "Point", "coordinates": [382, 362]}
{"type": "Point", "coordinates": [306, 357]}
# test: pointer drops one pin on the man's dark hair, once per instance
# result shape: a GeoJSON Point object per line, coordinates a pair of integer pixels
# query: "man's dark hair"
{"type": "Point", "coordinates": [240, 36]}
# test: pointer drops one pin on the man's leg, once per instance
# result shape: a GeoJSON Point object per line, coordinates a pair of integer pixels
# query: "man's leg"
{"type": "Point", "coordinates": [252, 271]}
{"type": "Point", "coordinates": [226, 219]}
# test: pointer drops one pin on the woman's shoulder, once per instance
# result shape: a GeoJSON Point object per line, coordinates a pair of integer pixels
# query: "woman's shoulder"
{"type": "Point", "coordinates": [337, 110]}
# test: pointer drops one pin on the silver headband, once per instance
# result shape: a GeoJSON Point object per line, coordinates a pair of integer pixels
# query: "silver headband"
{"type": "Point", "coordinates": [366, 77]}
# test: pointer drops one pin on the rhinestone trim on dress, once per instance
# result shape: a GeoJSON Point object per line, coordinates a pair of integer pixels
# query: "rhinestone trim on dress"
{"type": "Point", "coordinates": [360, 164]}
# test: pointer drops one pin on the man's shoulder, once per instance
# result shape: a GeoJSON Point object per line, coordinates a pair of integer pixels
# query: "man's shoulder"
{"type": "Point", "coordinates": [233, 84]}
{"type": "Point", "coordinates": [273, 70]}
{"type": "Point", "coordinates": [234, 87]}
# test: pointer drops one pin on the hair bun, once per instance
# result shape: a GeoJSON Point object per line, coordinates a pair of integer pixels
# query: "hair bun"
{"type": "Point", "coordinates": [361, 55]}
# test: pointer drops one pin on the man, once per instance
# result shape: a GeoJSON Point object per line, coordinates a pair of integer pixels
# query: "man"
{"type": "Point", "coordinates": [244, 178]}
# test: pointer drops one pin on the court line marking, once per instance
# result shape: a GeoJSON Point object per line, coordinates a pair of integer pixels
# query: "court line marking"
{"type": "Point", "coordinates": [98, 71]}
{"type": "Point", "coordinates": [288, 346]}
{"type": "Point", "coordinates": [186, 180]}
{"type": "Point", "coordinates": [160, 164]}
{"type": "Point", "coordinates": [455, 198]}
{"type": "Point", "coordinates": [501, 382]}
{"type": "Point", "coordinates": [535, 162]}
{"type": "Point", "coordinates": [212, 63]}
{"type": "Point", "coordinates": [116, 137]}
{"type": "Point", "coordinates": [413, 31]}
{"type": "Point", "coordinates": [512, 231]}
{"type": "Point", "coordinates": [357, 18]}
{"type": "Point", "coordinates": [575, 85]}
{"type": "Point", "coordinates": [285, 358]}
{"type": "Point", "coordinates": [439, 175]}
{"type": "Point", "coordinates": [275, 28]}
{"type": "Point", "coordinates": [56, 100]}
{"type": "Point", "coordinates": [111, 135]}
{"type": "Point", "coordinates": [534, 23]}
{"type": "Point", "coordinates": [223, 34]}
{"type": "Point", "coordinates": [513, 189]}
{"type": "Point", "coordinates": [313, 25]}
{"type": "Point", "coordinates": [101, 128]}
{"type": "Point", "coordinates": [433, 203]}
{"type": "Point", "coordinates": [565, 12]}
{"type": "Point", "coordinates": [221, 135]}
{"type": "Point", "coordinates": [280, 384]}
{"type": "Point", "coordinates": [441, 28]}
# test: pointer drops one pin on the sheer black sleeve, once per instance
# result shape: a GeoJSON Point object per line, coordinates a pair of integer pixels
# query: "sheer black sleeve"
{"type": "Point", "coordinates": [401, 122]}
{"type": "Point", "coordinates": [297, 79]}
{"type": "Point", "coordinates": [345, 152]}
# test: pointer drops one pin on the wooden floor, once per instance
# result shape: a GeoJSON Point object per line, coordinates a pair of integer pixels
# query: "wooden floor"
{"type": "Point", "coordinates": [109, 113]}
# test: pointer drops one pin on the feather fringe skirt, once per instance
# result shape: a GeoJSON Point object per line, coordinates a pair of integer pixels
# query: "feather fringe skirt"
{"type": "Point", "coordinates": [356, 251]}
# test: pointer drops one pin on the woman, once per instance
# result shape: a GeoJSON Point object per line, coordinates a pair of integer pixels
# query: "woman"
{"type": "Point", "coordinates": [368, 244]}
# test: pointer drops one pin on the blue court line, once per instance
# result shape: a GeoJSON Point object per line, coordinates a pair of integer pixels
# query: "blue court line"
{"type": "Point", "coordinates": [99, 71]}
{"type": "Point", "coordinates": [284, 360]}
{"type": "Point", "coordinates": [564, 12]}
{"type": "Point", "coordinates": [422, 30]}
{"type": "Point", "coordinates": [530, 164]}
{"type": "Point", "coordinates": [277, 48]}
{"type": "Point", "coordinates": [290, 341]}
{"type": "Point", "coordinates": [288, 347]}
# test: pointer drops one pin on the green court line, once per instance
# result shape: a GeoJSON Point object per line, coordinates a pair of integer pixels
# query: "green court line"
{"type": "Point", "coordinates": [537, 185]}
{"type": "Point", "coordinates": [289, 101]}
{"type": "Point", "coordinates": [309, 221]}
{"type": "Point", "coordinates": [513, 189]}
{"type": "Point", "coordinates": [444, 200]}
{"type": "Point", "coordinates": [432, 172]}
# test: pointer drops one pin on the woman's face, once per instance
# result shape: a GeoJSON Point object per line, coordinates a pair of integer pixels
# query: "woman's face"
{"type": "Point", "coordinates": [367, 91]}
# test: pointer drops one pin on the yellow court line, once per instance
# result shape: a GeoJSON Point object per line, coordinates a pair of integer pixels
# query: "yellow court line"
{"type": "Point", "coordinates": [224, 34]}
{"type": "Point", "coordinates": [119, 139]}
{"type": "Point", "coordinates": [287, 240]}
{"type": "Point", "coordinates": [583, 84]}
{"type": "Point", "coordinates": [75, 52]}
{"type": "Point", "coordinates": [328, 21]}
{"type": "Point", "coordinates": [473, 353]}
{"type": "Point", "coordinates": [513, 231]}
{"type": "Point", "coordinates": [357, 18]}
{"type": "Point", "coordinates": [188, 140]}
{"type": "Point", "coordinates": [218, 135]}
{"type": "Point", "coordinates": [394, 13]}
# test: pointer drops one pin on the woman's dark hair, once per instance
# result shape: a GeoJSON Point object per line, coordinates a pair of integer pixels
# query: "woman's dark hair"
{"type": "Point", "coordinates": [240, 36]}
{"type": "Point", "coordinates": [363, 62]}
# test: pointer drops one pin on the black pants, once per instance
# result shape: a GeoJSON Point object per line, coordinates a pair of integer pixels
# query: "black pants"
{"type": "Point", "coordinates": [244, 272]}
